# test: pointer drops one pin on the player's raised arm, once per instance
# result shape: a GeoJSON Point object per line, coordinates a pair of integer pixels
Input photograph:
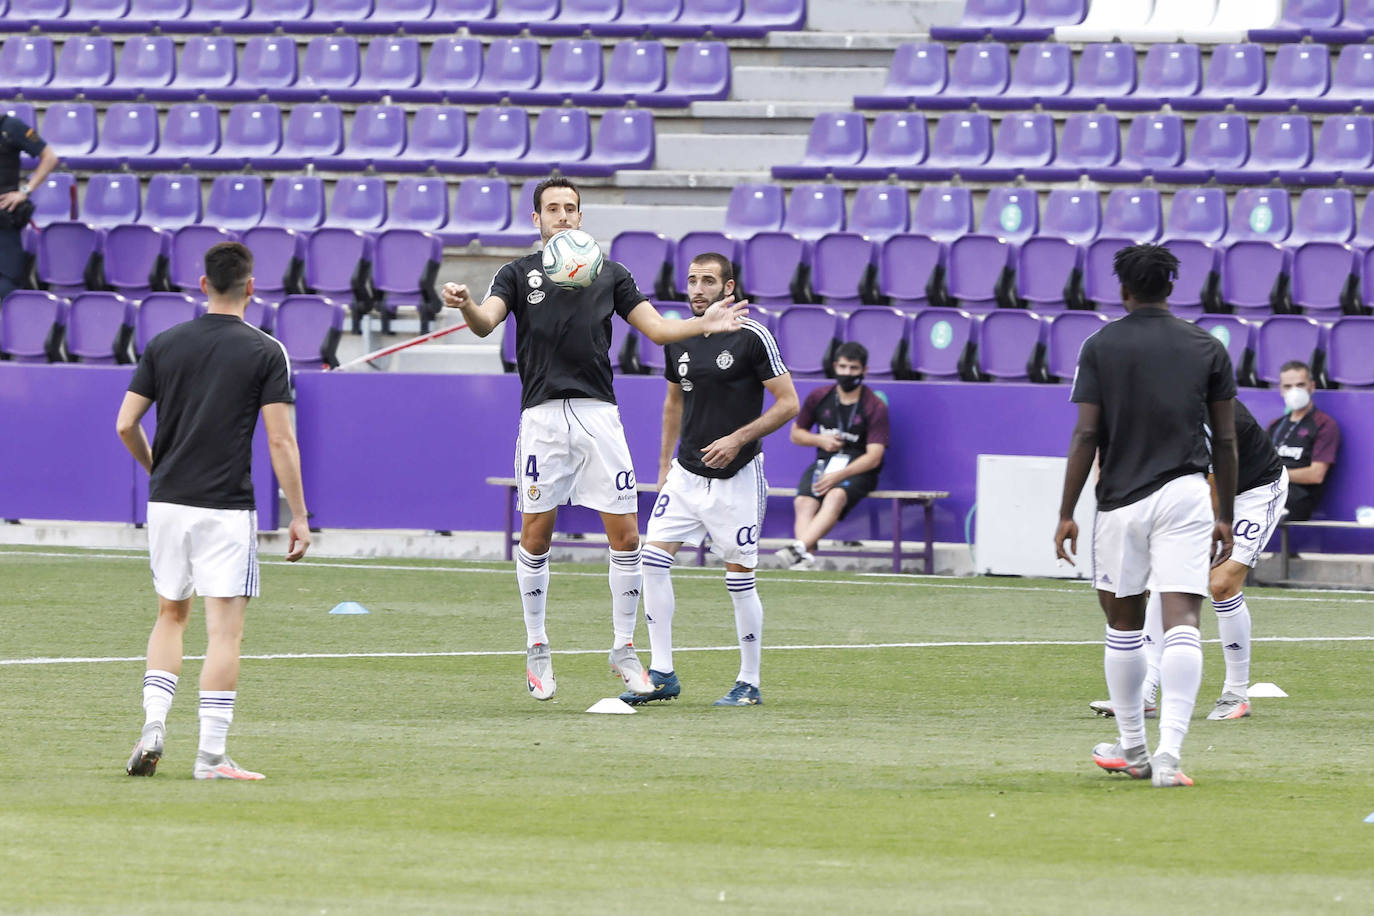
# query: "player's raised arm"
{"type": "Point", "coordinates": [482, 318]}
{"type": "Point", "coordinates": [721, 318]}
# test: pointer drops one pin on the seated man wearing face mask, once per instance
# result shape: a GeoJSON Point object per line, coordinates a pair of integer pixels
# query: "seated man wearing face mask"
{"type": "Point", "coordinates": [850, 438]}
{"type": "Point", "coordinates": [1305, 438]}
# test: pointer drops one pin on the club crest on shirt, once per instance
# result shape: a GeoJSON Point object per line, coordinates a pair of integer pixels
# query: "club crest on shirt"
{"type": "Point", "coordinates": [535, 297]}
{"type": "Point", "coordinates": [534, 492]}
{"type": "Point", "coordinates": [725, 360]}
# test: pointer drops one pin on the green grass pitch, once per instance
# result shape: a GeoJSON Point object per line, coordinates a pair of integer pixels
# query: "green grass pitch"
{"type": "Point", "coordinates": [923, 748]}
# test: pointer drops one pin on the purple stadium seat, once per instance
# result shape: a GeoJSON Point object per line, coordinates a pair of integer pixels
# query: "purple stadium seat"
{"type": "Point", "coordinates": [253, 130]}
{"type": "Point", "coordinates": [695, 243]}
{"type": "Point", "coordinates": [268, 67]}
{"type": "Point", "coordinates": [807, 335]}
{"type": "Point", "coordinates": [764, 16]}
{"type": "Point", "coordinates": [980, 18]}
{"type": "Point", "coordinates": [420, 203]}
{"type": "Point", "coordinates": [1282, 144]}
{"type": "Point", "coordinates": [1299, 18]}
{"type": "Point", "coordinates": [885, 334]}
{"type": "Point", "coordinates": [1348, 345]}
{"type": "Point", "coordinates": [978, 268]}
{"type": "Point", "coordinates": [278, 261]}
{"type": "Point", "coordinates": [1133, 213]}
{"type": "Point", "coordinates": [207, 62]}
{"type": "Point", "coordinates": [1009, 345]}
{"type": "Point", "coordinates": [69, 128]}
{"type": "Point", "coordinates": [1345, 151]}
{"type": "Point", "coordinates": [1261, 215]}
{"type": "Point", "coordinates": [438, 133]}
{"type": "Point", "coordinates": [1352, 82]}
{"type": "Point", "coordinates": [172, 201]}
{"type": "Point", "coordinates": [415, 16]}
{"type": "Point", "coordinates": [1024, 141]}
{"type": "Point", "coordinates": [909, 268]}
{"type": "Point", "coordinates": [392, 63]}
{"type": "Point", "coordinates": [698, 16]}
{"type": "Point", "coordinates": [310, 327]}
{"type": "Point", "coordinates": [186, 263]}
{"type": "Point", "coordinates": [1356, 26]}
{"type": "Point", "coordinates": [512, 16]}
{"type": "Point", "coordinates": [1236, 335]}
{"type": "Point", "coordinates": [880, 211]}
{"type": "Point", "coordinates": [574, 68]}
{"type": "Point", "coordinates": [481, 206]}
{"type": "Point", "coordinates": [1364, 234]}
{"type": "Point", "coordinates": [625, 140]}
{"type": "Point", "coordinates": [1043, 72]}
{"type": "Point", "coordinates": [454, 66]}
{"type": "Point", "coordinates": [917, 70]}
{"type": "Point", "coordinates": [295, 202]}
{"type": "Point", "coordinates": [269, 15]}
{"type": "Point", "coordinates": [701, 72]}
{"type": "Point", "coordinates": [639, 17]}
{"type": "Point", "coordinates": [1042, 17]}
{"type": "Point", "coordinates": [314, 135]}
{"type": "Point", "coordinates": [130, 130]}
{"type": "Point", "coordinates": [1324, 215]}
{"type": "Point", "coordinates": [1171, 71]}
{"type": "Point", "coordinates": [159, 311]}
{"type": "Point", "coordinates": [205, 15]}
{"type": "Point", "coordinates": [260, 314]}
{"type": "Point", "coordinates": [1154, 142]}
{"type": "Point", "coordinates": [1198, 279]}
{"type": "Point", "coordinates": [754, 208]}
{"type": "Point", "coordinates": [1299, 72]}
{"type": "Point", "coordinates": [463, 12]}
{"type": "Point", "coordinates": [1105, 72]}
{"type": "Point", "coordinates": [358, 203]}
{"type": "Point", "coordinates": [941, 344]}
{"type": "Point", "coordinates": [1089, 141]}
{"type": "Point", "coordinates": [378, 135]}
{"type": "Point", "coordinates": [576, 17]}
{"type": "Point", "coordinates": [338, 264]}
{"type": "Point", "coordinates": [814, 210]}
{"type": "Point", "coordinates": [980, 70]}
{"type": "Point", "coordinates": [771, 267]}
{"type": "Point", "coordinates": [1325, 278]}
{"type": "Point", "coordinates": [111, 198]}
{"type": "Point", "coordinates": [147, 15]}
{"type": "Point", "coordinates": [136, 258]}
{"type": "Point", "coordinates": [1251, 273]}
{"type": "Point", "coordinates": [27, 62]}
{"type": "Point", "coordinates": [1198, 214]}
{"type": "Point", "coordinates": [236, 202]}
{"type": "Point", "coordinates": [962, 140]}
{"type": "Point", "coordinates": [1064, 337]}
{"type": "Point", "coordinates": [99, 328]}
{"type": "Point", "coordinates": [331, 16]}
{"type": "Point", "coordinates": [54, 200]}
{"type": "Point", "coordinates": [330, 62]}
{"type": "Point", "coordinates": [405, 267]}
{"type": "Point", "coordinates": [68, 257]}
{"type": "Point", "coordinates": [511, 65]}
{"type": "Point", "coordinates": [897, 139]}
{"type": "Point", "coordinates": [33, 325]}
{"type": "Point", "coordinates": [842, 264]}
{"type": "Point", "coordinates": [1235, 73]}
{"type": "Point", "coordinates": [521, 232]}
{"type": "Point", "coordinates": [85, 15]}
{"type": "Point", "coordinates": [648, 256]}
{"type": "Point", "coordinates": [943, 212]}
{"type": "Point", "coordinates": [1101, 288]}
{"type": "Point", "coordinates": [1011, 213]}
{"type": "Point", "coordinates": [147, 63]}
{"type": "Point", "coordinates": [1281, 338]}
{"type": "Point", "coordinates": [837, 139]}
{"type": "Point", "coordinates": [86, 60]}
{"type": "Point", "coordinates": [498, 135]}
{"type": "Point", "coordinates": [560, 136]}
{"type": "Point", "coordinates": [1048, 271]}
{"type": "Point", "coordinates": [1221, 142]}
{"type": "Point", "coordinates": [637, 69]}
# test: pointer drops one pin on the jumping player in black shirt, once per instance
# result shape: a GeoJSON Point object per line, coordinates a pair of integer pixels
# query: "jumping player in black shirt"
{"type": "Point", "coordinates": [209, 378]}
{"type": "Point", "coordinates": [1146, 385]}
{"type": "Point", "coordinates": [571, 447]}
{"type": "Point", "coordinates": [713, 418]}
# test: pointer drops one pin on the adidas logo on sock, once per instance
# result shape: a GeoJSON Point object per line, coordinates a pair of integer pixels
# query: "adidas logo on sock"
{"type": "Point", "coordinates": [534, 594]}
{"type": "Point", "coordinates": [632, 593]}
{"type": "Point", "coordinates": [749, 638]}
{"type": "Point", "coordinates": [1235, 646]}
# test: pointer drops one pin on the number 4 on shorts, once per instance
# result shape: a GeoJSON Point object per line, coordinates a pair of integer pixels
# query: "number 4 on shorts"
{"type": "Point", "coordinates": [531, 469]}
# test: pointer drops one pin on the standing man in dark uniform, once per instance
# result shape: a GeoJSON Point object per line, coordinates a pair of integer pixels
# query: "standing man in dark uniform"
{"type": "Point", "coordinates": [1146, 386]}
{"type": "Point", "coordinates": [210, 378]}
{"type": "Point", "coordinates": [15, 209]}
{"type": "Point", "coordinates": [713, 418]}
{"type": "Point", "coordinates": [1307, 440]}
{"type": "Point", "coordinates": [571, 447]}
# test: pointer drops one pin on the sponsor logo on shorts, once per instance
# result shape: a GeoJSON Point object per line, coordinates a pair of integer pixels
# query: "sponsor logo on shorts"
{"type": "Point", "coordinates": [625, 480]}
{"type": "Point", "coordinates": [1244, 528]}
{"type": "Point", "coordinates": [747, 535]}
{"type": "Point", "coordinates": [725, 360]}
{"type": "Point", "coordinates": [533, 491]}
{"type": "Point", "coordinates": [535, 297]}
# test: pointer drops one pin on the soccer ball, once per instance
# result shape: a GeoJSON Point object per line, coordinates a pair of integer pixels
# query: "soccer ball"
{"type": "Point", "coordinates": [572, 259]}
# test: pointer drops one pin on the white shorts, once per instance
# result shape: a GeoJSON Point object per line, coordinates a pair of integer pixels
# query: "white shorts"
{"type": "Point", "coordinates": [729, 509]}
{"type": "Point", "coordinates": [1256, 516]}
{"type": "Point", "coordinates": [1164, 540]}
{"type": "Point", "coordinates": [213, 551]}
{"type": "Point", "coordinates": [573, 450]}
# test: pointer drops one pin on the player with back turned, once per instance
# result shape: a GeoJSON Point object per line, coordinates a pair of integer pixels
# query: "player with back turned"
{"type": "Point", "coordinates": [571, 446]}
{"type": "Point", "coordinates": [1146, 386]}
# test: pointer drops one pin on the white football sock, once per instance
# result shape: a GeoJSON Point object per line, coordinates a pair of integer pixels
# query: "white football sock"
{"type": "Point", "coordinates": [1180, 669]}
{"type": "Point", "coordinates": [659, 604]}
{"type": "Point", "coordinates": [532, 575]}
{"type": "Point", "coordinates": [627, 579]}
{"type": "Point", "coordinates": [1154, 645]}
{"type": "Point", "coordinates": [748, 624]}
{"type": "Point", "coordinates": [1233, 625]}
{"type": "Point", "coordinates": [159, 687]}
{"type": "Point", "coordinates": [216, 712]}
{"type": "Point", "coordinates": [1124, 665]}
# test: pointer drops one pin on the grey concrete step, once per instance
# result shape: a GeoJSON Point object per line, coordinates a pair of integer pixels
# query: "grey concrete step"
{"type": "Point", "coordinates": [729, 152]}
{"type": "Point", "coordinates": [881, 15]}
{"type": "Point", "coordinates": [837, 85]}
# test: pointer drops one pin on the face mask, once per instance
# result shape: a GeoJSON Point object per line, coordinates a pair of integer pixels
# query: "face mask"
{"type": "Point", "coordinates": [1296, 398]}
{"type": "Point", "coordinates": [849, 382]}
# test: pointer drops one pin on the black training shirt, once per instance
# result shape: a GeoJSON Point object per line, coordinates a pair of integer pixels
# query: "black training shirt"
{"type": "Point", "coordinates": [209, 377]}
{"type": "Point", "coordinates": [1154, 376]}
{"type": "Point", "coordinates": [1258, 463]}
{"type": "Point", "coordinates": [722, 378]}
{"type": "Point", "coordinates": [15, 137]}
{"type": "Point", "coordinates": [563, 337]}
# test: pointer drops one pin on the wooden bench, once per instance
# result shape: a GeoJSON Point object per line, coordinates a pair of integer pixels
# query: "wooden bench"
{"type": "Point", "coordinates": [1283, 538]}
{"type": "Point", "coordinates": [897, 499]}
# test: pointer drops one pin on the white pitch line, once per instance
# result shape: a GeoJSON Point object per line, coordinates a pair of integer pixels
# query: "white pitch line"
{"type": "Point", "coordinates": [689, 572]}
{"type": "Point", "coordinates": [483, 653]}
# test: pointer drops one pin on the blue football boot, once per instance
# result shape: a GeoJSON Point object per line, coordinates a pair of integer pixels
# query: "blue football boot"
{"type": "Point", "coordinates": [666, 687]}
{"type": "Point", "coordinates": [742, 694]}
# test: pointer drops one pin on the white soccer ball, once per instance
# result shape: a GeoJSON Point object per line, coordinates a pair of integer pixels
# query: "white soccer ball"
{"type": "Point", "coordinates": [572, 259]}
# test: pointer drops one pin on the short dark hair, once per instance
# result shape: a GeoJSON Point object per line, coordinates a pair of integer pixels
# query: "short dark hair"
{"type": "Point", "coordinates": [719, 261]}
{"type": "Point", "coordinates": [1147, 271]}
{"type": "Point", "coordinates": [852, 349]}
{"type": "Point", "coordinates": [557, 181]}
{"type": "Point", "coordinates": [228, 265]}
{"type": "Point", "coordinates": [1293, 364]}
